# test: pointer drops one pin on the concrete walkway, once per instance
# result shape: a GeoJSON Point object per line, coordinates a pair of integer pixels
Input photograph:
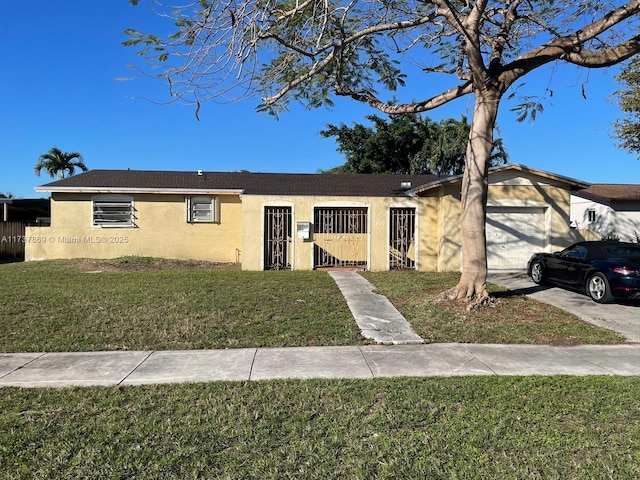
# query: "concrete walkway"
{"type": "Point", "coordinates": [375, 315]}
{"type": "Point", "coordinates": [405, 355]}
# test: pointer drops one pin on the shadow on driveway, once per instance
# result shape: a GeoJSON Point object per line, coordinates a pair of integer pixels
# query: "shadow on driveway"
{"type": "Point", "coordinates": [517, 292]}
{"type": "Point", "coordinates": [622, 317]}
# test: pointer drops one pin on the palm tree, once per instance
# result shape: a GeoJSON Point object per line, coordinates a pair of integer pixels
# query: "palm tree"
{"type": "Point", "coordinates": [56, 162]}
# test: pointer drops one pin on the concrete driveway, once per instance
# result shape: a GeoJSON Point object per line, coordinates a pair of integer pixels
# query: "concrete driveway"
{"type": "Point", "coordinates": [622, 318]}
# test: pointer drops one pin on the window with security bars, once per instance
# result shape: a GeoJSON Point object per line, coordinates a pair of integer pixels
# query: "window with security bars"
{"type": "Point", "coordinates": [202, 210]}
{"type": "Point", "coordinates": [340, 220]}
{"type": "Point", "coordinates": [113, 212]}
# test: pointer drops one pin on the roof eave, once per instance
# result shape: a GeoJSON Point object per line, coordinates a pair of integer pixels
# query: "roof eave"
{"type": "Point", "coordinates": [593, 197]}
{"type": "Point", "coordinates": [132, 190]}
{"type": "Point", "coordinates": [573, 183]}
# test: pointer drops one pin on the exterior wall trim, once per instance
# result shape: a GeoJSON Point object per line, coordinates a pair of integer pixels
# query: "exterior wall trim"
{"type": "Point", "coordinates": [340, 203]}
{"type": "Point", "coordinates": [517, 204]}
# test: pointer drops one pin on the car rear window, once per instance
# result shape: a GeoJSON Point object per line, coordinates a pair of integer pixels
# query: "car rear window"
{"type": "Point", "coordinates": [624, 251]}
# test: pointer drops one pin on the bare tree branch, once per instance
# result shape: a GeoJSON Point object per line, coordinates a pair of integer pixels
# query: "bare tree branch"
{"type": "Point", "coordinates": [571, 48]}
{"type": "Point", "coordinates": [414, 107]}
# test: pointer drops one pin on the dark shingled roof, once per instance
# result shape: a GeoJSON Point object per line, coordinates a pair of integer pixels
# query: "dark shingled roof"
{"type": "Point", "coordinates": [608, 192]}
{"type": "Point", "coordinates": [248, 183]}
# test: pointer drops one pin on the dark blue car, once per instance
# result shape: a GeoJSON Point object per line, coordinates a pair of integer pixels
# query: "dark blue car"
{"type": "Point", "coordinates": [605, 270]}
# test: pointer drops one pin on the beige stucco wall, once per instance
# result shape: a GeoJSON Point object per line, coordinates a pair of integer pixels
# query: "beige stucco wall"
{"type": "Point", "coordinates": [582, 235]}
{"type": "Point", "coordinates": [303, 210]}
{"type": "Point", "coordinates": [449, 240]}
{"type": "Point", "coordinates": [161, 231]}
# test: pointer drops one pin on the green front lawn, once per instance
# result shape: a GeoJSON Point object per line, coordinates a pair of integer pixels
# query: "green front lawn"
{"type": "Point", "coordinates": [68, 306]}
{"type": "Point", "coordinates": [150, 304]}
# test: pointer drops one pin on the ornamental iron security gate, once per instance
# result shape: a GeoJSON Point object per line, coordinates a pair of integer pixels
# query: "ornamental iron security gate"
{"type": "Point", "coordinates": [401, 244]}
{"type": "Point", "coordinates": [277, 238]}
{"type": "Point", "coordinates": [340, 237]}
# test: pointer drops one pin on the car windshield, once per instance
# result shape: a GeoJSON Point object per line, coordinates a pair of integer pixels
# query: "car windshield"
{"type": "Point", "coordinates": [624, 251]}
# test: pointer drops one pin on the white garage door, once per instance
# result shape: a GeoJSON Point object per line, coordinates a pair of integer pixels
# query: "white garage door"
{"type": "Point", "coordinates": [513, 234]}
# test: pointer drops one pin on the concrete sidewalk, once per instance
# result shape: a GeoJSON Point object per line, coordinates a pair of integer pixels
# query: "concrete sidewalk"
{"type": "Point", "coordinates": [362, 362]}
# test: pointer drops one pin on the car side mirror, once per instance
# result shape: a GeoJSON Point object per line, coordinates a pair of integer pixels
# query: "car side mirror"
{"type": "Point", "coordinates": [556, 254]}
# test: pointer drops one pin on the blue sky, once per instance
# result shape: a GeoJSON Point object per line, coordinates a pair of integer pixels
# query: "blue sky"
{"type": "Point", "coordinates": [62, 58]}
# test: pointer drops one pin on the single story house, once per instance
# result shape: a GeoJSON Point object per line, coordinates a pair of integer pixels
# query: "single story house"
{"type": "Point", "coordinates": [267, 221]}
{"type": "Point", "coordinates": [613, 210]}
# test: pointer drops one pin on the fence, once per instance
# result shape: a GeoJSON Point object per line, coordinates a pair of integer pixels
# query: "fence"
{"type": "Point", "coordinates": [12, 239]}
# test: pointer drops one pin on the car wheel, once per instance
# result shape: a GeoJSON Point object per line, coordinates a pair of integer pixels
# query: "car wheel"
{"type": "Point", "coordinates": [598, 288]}
{"type": "Point", "coordinates": [537, 274]}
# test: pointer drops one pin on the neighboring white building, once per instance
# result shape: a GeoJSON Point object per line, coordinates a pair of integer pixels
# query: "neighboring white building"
{"type": "Point", "coordinates": [613, 210]}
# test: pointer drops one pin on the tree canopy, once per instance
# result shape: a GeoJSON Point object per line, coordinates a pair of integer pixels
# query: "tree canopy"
{"type": "Point", "coordinates": [407, 143]}
{"type": "Point", "coordinates": [56, 162]}
{"type": "Point", "coordinates": [312, 50]}
{"type": "Point", "coordinates": [627, 129]}
{"type": "Point", "coordinates": [307, 50]}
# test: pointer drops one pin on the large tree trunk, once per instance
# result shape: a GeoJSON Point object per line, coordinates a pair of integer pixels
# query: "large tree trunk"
{"type": "Point", "coordinates": [473, 281]}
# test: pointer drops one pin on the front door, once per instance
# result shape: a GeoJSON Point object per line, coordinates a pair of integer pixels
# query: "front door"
{"type": "Point", "coordinates": [402, 250]}
{"type": "Point", "coordinates": [277, 238]}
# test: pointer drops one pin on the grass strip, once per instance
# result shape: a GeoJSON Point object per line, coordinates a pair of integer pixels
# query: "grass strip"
{"type": "Point", "coordinates": [463, 428]}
